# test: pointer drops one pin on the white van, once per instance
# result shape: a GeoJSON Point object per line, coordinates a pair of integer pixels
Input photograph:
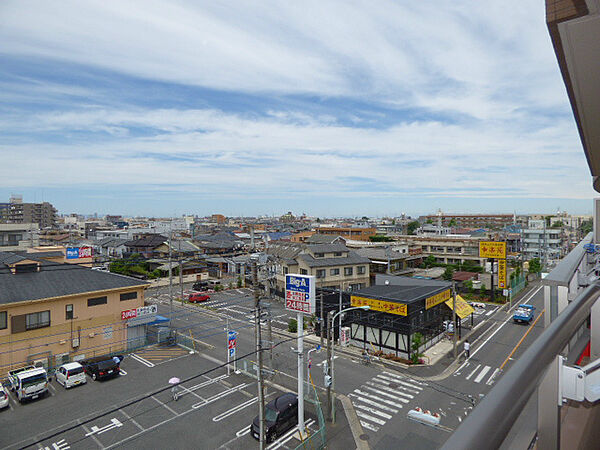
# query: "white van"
{"type": "Point", "coordinates": [70, 374]}
{"type": "Point", "coordinates": [28, 382]}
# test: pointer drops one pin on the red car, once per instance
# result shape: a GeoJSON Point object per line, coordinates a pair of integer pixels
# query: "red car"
{"type": "Point", "coordinates": [198, 298]}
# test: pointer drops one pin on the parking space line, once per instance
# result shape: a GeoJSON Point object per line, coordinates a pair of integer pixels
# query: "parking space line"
{"type": "Point", "coordinates": [233, 410]}
{"type": "Point", "coordinates": [165, 405]}
{"type": "Point", "coordinates": [52, 387]}
{"type": "Point", "coordinates": [219, 396]}
{"type": "Point", "coordinates": [87, 430]}
{"type": "Point", "coordinates": [142, 360]}
{"type": "Point", "coordinates": [131, 419]}
{"type": "Point", "coordinates": [288, 436]}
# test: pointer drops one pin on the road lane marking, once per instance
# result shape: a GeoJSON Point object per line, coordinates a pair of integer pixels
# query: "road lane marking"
{"type": "Point", "coordinates": [379, 392]}
{"type": "Point", "coordinates": [474, 370]}
{"type": "Point", "coordinates": [362, 415]}
{"type": "Point", "coordinates": [368, 426]}
{"type": "Point", "coordinates": [233, 410]}
{"type": "Point", "coordinates": [522, 339]}
{"type": "Point", "coordinates": [243, 431]}
{"type": "Point", "coordinates": [411, 388]}
{"type": "Point", "coordinates": [288, 436]}
{"type": "Point", "coordinates": [165, 405]}
{"type": "Point", "coordinates": [491, 379]}
{"type": "Point", "coordinates": [372, 403]}
{"type": "Point", "coordinates": [385, 388]}
{"type": "Point", "coordinates": [374, 411]}
{"type": "Point", "coordinates": [403, 381]}
{"type": "Point", "coordinates": [221, 395]}
{"type": "Point", "coordinates": [500, 327]}
{"type": "Point", "coordinates": [132, 420]}
{"type": "Point", "coordinates": [485, 370]}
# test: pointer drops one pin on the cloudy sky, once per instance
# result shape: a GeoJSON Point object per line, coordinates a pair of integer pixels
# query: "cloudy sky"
{"type": "Point", "coordinates": [246, 108]}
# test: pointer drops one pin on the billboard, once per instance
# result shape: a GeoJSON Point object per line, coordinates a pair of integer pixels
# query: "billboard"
{"type": "Point", "coordinates": [436, 299]}
{"type": "Point", "coordinates": [79, 252]}
{"type": "Point", "coordinates": [300, 293]}
{"type": "Point", "coordinates": [399, 309]}
{"type": "Point", "coordinates": [488, 249]}
{"type": "Point", "coordinates": [502, 273]}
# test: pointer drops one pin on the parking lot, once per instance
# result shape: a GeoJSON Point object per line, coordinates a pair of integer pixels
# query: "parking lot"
{"type": "Point", "coordinates": [213, 410]}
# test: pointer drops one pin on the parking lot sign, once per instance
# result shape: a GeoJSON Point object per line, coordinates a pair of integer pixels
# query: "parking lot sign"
{"type": "Point", "coordinates": [300, 293]}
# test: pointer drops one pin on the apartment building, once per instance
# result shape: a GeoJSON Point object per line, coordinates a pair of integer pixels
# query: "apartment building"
{"type": "Point", "coordinates": [542, 242]}
{"type": "Point", "coordinates": [496, 221]}
{"type": "Point", "coordinates": [449, 249]}
{"type": "Point", "coordinates": [17, 212]}
{"type": "Point", "coordinates": [353, 233]}
{"type": "Point", "coordinates": [333, 265]}
{"type": "Point", "coordinates": [51, 313]}
{"type": "Point", "coordinates": [16, 237]}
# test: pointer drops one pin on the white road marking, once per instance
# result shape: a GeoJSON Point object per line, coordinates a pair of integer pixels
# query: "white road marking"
{"type": "Point", "coordinates": [411, 388]}
{"type": "Point", "coordinates": [399, 377]}
{"type": "Point", "coordinates": [490, 312]}
{"type": "Point", "coordinates": [142, 360]}
{"type": "Point", "coordinates": [114, 423]}
{"type": "Point", "coordinates": [370, 418]}
{"type": "Point", "coordinates": [220, 395]}
{"type": "Point", "coordinates": [385, 388]}
{"type": "Point", "coordinates": [374, 411]}
{"type": "Point", "coordinates": [374, 397]}
{"type": "Point", "coordinates": [372, 403]}
{"type": "Point", "coordinates": [165, 405]}
{"type": "Point", "coordinates": [474, 370]}
{"type": "Point", "coordinates": [288, 436]}
{"type": "Point", "coordinates": [485, 370]}
{"type": "Point", "coordinates": [379, 392]}
{"type": "Point", "coordinates": [234, 410]}
{"type": "Point", "coordinates": [132, 420]}
{"type": "Point", "coordinates": [243, 431]}
{"type": "Point", "coordinates": [51, 387]}
{"type": "Point", "coordinates": [122, 372]}
{"type": "Point", "coordinates": [368, 426]}
{"type": "Point", "coordinates": [491, 379]}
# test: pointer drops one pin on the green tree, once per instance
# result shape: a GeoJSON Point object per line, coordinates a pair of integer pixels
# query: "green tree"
{"type": "Point", "coordinates": [558, 224]}
{"type": "Point", "coordinates": [417, 341]}
{"type": "Point", "coordinates": [429, 221]}
{"type": "Point", "coordinates": [447, 275]}
{"type": "Point", "coordinates": [412, 226]}
{"type": "Point", "coordinates": [239, 282]}
{"type": "Point", "coordinates": [535, 266]}
{"type": "Point", "coordinates": [482, 291]}
{"type": "Point", "coordinates": [292, 326]}
{"type": "Point", "coordinates": [469, 286]}
{"type": "Point", "coordinates": [429, 261]}
{"type": "Point", "coordinates": [586, 227]}
{"type": "Point", "coordinates": [452, 223]}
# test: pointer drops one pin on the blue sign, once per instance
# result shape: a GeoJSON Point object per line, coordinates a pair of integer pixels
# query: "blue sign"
{"type": "Point", "coordinates": [232, 351]}
{"type": "Point", "coordinates": [300, 293]}
{"type": "Point", "coordinates": [72, 252]}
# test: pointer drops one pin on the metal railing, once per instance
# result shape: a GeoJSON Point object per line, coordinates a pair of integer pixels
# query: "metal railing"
{"type": "Point", "coordinates": [490, 422]}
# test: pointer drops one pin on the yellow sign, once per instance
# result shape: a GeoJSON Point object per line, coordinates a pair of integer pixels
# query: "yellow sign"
{"type": "Point", "coordinates": [502, 273]}
{"type": "Point", "coordinates": [463, 309]}
{"type": "Point", "coordinates": [380, 305]}
{"type": "Point", "coordinates": [430, 302]}
{"type": "Point", "coordinates": [489, 249]}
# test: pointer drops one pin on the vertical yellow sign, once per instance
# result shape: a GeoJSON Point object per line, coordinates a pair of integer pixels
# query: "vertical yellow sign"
{"type": "Point", "coordinates": [502, 273]}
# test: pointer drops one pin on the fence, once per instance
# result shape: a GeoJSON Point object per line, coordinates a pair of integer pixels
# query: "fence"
{"type": "Point", "coordinates": [517, 284]}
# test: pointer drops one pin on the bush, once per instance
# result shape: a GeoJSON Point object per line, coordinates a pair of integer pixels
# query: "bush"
{"type": "Point", "coordinates": [293, 326]}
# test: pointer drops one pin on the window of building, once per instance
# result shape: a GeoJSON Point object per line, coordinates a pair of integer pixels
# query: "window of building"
{"type": "Point", "coordinates": [337, 254]}
{"type": "Point", "coordinates": [286, 270]}
{"type": "Point", "coordinates": [319, 255]}
{"type": "Point", "coordinates": [360, 270]}
{"type": "Point", "coordinates": [69, 312]}
{"type": "Point", "coordinates": [303, 272]}
{"type": "Point", "coordinates": [321, 273]}
{"type": "Point", "coordinates": [348, 271]}
{"type": "Point", "coordinates": [334, 272]}
{"type": "Point", "coordinates": [97, 301]}
{"type": "Point", "coordinates": [37, 320]}
{"type": "Point", "coordinates": [128, 296]}
{"type": "Point", "coordinates": [3, 320]}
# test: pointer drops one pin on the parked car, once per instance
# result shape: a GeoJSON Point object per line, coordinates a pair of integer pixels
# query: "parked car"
{"type": "Point", "coordinates": [198, 298]}
{"type": "Point", "coordinates": [28, 382]}
{"type": "Point", "coordinates": [200, 285]}
{"type": "Point", "coordinates": [102, 367]}
{"type": "Point", "coordinates": [70, 374]}
{"type": "Point", "coordinates": [281, 414]}
{"type": "Point", "coordinates": [3, 397]}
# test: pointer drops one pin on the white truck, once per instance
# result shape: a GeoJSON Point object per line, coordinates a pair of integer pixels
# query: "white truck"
{"type": "Point", "coordinates": [28, 382]}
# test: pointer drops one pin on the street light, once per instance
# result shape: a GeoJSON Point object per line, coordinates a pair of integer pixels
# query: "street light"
{"type": "Point", "coordinates": [330, 350]}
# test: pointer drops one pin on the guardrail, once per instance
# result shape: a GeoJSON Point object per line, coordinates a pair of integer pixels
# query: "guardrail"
{"type": "Point", "coordinates": [490, 422]}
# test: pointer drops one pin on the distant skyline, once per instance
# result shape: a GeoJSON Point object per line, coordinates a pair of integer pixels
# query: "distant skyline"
{"type": "Point", "coordinates": [331, 108]}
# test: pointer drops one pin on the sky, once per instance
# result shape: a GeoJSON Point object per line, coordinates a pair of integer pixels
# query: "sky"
{"type": "Point", "coordinates": [329, 108]}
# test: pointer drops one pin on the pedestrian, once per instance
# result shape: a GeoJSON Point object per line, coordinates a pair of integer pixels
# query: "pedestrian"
{"type": "Point", "coordinates": [467, 348]}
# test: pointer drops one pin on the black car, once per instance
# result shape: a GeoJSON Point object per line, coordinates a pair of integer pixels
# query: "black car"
{"type": "Point", "coordinates": [102, 367]}
{"type": "Point", "coordinates": [281, 414]}
{"type": "Point", "coordinates": [200, 286]}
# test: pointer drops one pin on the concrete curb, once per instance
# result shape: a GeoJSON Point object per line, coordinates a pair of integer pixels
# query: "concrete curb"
{"type": "Point", "coordinates": [354, 422]}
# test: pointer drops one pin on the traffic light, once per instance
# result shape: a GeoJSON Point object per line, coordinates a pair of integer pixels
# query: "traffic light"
{"type": "Point", "coordinates": [327, 381]}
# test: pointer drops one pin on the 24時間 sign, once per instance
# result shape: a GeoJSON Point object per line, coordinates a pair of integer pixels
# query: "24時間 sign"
{"type": "Point", "coordinates": [300, 293]}
{"type": "Point", "coordinates": [79, 252]}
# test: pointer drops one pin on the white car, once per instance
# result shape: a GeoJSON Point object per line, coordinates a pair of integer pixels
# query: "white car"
{"type": "Point", "coordinates": [70, 374]}
{"type": "Point", "coordinates": [3, 397]}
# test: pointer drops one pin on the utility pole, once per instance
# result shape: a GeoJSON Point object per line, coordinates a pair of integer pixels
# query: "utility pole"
{"type": "Point", "coordinates": [270, 337]}
{"type": "Point", "coordinates": [170, 274]}
{"type": "Point", "coordinates": [257, 334]}
{"type": "Point", "coordinates": [322, 319]}
{"type": "Point", "coordinates": [329, 343]}
{"type": "Point", "coordinates": [454, 317]}
{"type": "Point", "coordinates": [180, 271]}
{"type": "Point", "coordinates": [492, 286]}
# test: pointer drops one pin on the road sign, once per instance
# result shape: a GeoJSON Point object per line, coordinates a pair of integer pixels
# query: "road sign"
{"type": "Point", "coordinates": [488, 249]}
{"type": "Point", "coordinates": [300, 293]}
{"type": "Point", "coordinates": [502, 273]}
{"type": "Point", "coordinates": [231, 346]}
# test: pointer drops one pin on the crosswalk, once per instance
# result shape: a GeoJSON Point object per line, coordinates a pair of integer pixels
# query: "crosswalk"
{"type": "Point", "coordinates": [377, 400]}
{"type": "Point", "coordinates": [478, 373]}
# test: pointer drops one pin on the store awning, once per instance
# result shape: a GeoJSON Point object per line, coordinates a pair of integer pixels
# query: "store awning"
{"type": "Point", "coordinates": [463, 309]}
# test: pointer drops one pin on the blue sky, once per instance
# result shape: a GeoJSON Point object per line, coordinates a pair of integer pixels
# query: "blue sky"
{"type": "Point", "coordinates": [329, 108]}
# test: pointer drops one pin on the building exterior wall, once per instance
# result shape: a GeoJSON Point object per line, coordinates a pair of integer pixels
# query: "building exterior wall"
{"type": "Point", "coordinates": [449, 250]}
{"type": "Point", "coordinates": [99, 329]}
{"type": "Point", "coordinates": [18, 237]}
{"type": "Point", "coordinates": [357, 234]}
